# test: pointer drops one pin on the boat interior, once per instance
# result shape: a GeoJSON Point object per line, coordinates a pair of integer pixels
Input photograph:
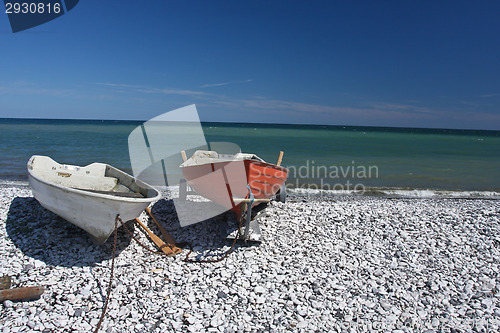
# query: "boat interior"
{"type": "Point", "coordinates": [210, 156]}
{"type": "Point", "coordinates": [96, 177]}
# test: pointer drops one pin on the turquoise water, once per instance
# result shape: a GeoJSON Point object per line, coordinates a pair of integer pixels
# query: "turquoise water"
{"type": "Point", "coordinates": [332, 157]}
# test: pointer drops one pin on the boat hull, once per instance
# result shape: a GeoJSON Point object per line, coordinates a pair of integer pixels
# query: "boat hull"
{"type": "Point", "coordinates": [222, 182]}
{"type": "Point", "coordinates": [93, 212]}
{"type": "Point", "coordinates": [265, 179]}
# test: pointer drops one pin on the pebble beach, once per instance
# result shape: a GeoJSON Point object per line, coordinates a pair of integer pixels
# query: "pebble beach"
{"type": "Point", "coordinates": [327, 263]}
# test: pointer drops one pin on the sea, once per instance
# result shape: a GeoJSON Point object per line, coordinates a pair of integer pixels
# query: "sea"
{"type": "Point", "coordinates": [343, 159]}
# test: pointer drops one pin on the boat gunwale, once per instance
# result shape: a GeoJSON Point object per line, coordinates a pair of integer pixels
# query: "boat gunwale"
{"type": "Point", "coordinates": [262, 163]}
{"type": "Point", "coordinates": [111, 197]}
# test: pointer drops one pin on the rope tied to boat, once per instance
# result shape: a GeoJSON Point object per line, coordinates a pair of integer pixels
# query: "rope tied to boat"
{"type": "Point", "coordinates": [250, 195]}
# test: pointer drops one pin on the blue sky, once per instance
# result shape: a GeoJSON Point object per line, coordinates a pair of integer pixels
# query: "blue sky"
{"type": "Point", "coordinates": [375, 63]}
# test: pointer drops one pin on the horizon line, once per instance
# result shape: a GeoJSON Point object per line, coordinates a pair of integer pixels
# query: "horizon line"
{"type": "Point", "coordinates": [269, 123]}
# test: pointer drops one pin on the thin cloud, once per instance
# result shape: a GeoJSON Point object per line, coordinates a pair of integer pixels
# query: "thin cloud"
{"type": "Point", "coordinates": [290, 106]}
{"type": "Point", "coordinates": [376, 112]}
{"type": "Point", "coordinates": [29, 88]}
{"type": "Point", "coordinates": [400, 107]}
{"type": "Point", "coordinates": [224, 83]}
{"type": "Point", "coordinates": [119, 85]}
{"type": "Point", "coordinates": [182, 92]}
{"type": "Point", "coordinates": [153, 90]}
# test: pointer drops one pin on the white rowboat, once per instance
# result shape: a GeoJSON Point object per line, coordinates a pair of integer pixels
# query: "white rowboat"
{"type": "Point", "coordinates": [90, 197]}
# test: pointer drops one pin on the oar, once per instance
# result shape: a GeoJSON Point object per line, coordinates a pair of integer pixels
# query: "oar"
{"type": "Point", "coordinates": [169, 239]}
{"type": "Point", "coordinates": [157, 240]}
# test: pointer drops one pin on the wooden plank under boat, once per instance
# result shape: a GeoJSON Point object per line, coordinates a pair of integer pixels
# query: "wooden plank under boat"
{"type": "Point", "coordinates": [90, 197]}
{"type": "Point", "coordinates": [226, 179]}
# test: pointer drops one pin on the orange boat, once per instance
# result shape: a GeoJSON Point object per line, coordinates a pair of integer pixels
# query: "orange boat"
{"type": "Point", "coordinates": [231, 180]}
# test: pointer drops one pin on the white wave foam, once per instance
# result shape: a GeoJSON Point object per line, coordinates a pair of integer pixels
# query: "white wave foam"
{"type": "Point", "coordinates": [406, 193]}
{"type": "Point", "coordinates": [13, 183]}
{"type": "Point", "coordinates": [442, 193]}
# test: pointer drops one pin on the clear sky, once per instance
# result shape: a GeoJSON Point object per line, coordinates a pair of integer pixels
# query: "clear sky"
{"type": "Point", "coordinates": [378, 63]}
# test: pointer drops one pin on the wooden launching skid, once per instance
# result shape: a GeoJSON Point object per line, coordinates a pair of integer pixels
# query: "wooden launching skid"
{"type": "Point", "coordinates": [168, 247]}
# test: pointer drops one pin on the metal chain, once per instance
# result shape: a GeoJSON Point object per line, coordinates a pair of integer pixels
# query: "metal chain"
{"type": "Point", "coordinates": [238, 236]}
{"type": "Point", "coordinates": [186, 259]}
{"type": "Point", "coordinates": [108, 294]}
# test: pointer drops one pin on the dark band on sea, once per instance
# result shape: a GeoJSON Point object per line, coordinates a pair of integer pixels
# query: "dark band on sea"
{"type": "Point", "coordinates": [328, 157]}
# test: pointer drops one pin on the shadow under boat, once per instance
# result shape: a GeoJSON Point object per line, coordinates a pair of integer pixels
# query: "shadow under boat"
{"type": "Point", "coordinates": [209, 237]}
{"type": "Point", "coordinates": [42, 235]}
